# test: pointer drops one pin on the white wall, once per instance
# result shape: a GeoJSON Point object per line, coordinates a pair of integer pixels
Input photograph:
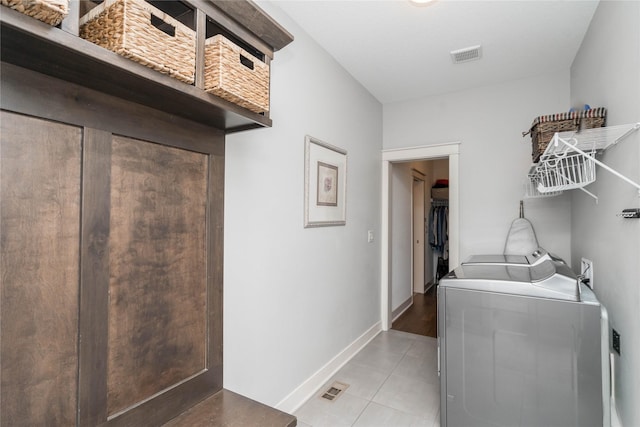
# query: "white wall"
{"type": "Point", "coordinates": [401, 238]}
{"type": "Point", "coordinates": [606, 72]}
{"type": "Point", "coordinates": [494, 158]}
{"type": "Point", "coordinates": [293, 297]}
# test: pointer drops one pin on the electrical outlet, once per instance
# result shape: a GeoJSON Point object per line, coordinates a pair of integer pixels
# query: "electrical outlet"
{"type": "Point", "coordinates": [370, 236]}
{"type": "Point", "coordinates": [586, 270]}
{"type": "Point", "coordinates": [615, 341]}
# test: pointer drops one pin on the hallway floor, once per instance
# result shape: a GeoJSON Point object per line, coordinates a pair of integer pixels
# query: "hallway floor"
{"type": "Point", "coordinates": [393, 382]}
{"type": "Point", "coordinates": [421, 317]}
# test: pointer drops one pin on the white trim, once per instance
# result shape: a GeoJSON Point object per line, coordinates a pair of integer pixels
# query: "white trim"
{"type": "Point", "coordinates": [454, 210]}
{"type": "Point", "coordinates": [427, 152]}
{"type": "Point", "coordinates": [615, 417]}
{"type": "Point", "coordinates": [421, 153]}
{"type": "Point", "coordinates": [402, 308]}
{"type": "Point", "coordinates": [417, 175]}
{"type": "Point", "coordinates": [385, 279]}
{"type": "Point", "coordinates": [311, 385]}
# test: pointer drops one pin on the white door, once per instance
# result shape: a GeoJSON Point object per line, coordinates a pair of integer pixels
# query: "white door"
{"type": "Point", "coordinates": [418, 235]}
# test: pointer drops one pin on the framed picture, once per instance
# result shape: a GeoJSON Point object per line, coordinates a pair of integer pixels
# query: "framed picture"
{"type": "Point", "coordinates": [325, 184]}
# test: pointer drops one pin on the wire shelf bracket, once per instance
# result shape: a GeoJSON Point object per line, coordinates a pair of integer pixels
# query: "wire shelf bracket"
{"type": "Point", "coordinates": [558, 170]}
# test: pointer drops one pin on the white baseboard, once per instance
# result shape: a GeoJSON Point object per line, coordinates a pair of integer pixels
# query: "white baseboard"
{"type": "Point", "coordinates": [428, 286]}
{"type": "Point", "coordinates": [401, 309]}
{"type": "Point", "coordinates": [615, 418]}
{"type": "Point", "coordinates": [310, 387]}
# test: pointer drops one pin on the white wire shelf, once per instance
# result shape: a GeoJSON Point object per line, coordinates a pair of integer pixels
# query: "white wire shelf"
{"type": "Point", "coordinates": [566, 172]}
{"type": "Point", "coordinates": [531, 188]}
{"type": "Point", "coordinates": [588, 140]}
{"type": "Point", "coordinates": [569, 160]}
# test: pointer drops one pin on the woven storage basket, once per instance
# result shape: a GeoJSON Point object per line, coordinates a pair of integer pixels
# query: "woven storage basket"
{"type": "Point", "coordinates": [544, 127]}
{"type": "Point", "coordinates": [125, 27]}
{"type": "Point", "coordinates": [232, 73]}
{"type": "Point", "coordinates": [50, 11]}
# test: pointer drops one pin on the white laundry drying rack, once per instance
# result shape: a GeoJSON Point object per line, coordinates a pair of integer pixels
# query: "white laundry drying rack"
{"type": "Point", "coordinates": [569, 161]}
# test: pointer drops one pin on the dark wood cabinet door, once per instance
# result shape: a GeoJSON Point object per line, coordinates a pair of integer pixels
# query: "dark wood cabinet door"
{"type": "Point", "coordinates": [158, 270]}
{"type": "Point", "coordinates": [151, 282]}
{"type": "Point", "coordinates": [159, 296]}
{"type": "Point", "coordinates": [40, 187]}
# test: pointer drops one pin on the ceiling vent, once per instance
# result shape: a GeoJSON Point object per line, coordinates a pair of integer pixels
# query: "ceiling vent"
{"type": "Point", "coordinates": [467, 54]}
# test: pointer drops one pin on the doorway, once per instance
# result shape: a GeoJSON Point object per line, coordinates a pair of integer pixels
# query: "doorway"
{"type": "Point", "coordinates": [389, 158]}
{"type": "Point", "coordinates": [415, 310]}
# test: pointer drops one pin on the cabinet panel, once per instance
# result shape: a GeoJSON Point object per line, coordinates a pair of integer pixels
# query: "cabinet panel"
{"type": "Point", "coordinates": [136, 227]}
{"type": "Point", "coordinates": [40, 178]}
{"type": "Point", "coordinates": [158, 270]}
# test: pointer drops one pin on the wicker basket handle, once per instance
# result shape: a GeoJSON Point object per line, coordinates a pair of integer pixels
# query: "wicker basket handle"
{"type": "Point", "coordinates": [147, 7]}
{"type": "Point", "coordinates": [160, 20]}
{"type": "Point", "coordinates": [246, 62]}
{"type": "Point", "coordinates": [163, 26]}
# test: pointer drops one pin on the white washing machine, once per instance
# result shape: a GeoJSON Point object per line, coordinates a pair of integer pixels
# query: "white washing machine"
{"type": "Point", "coordinates": [534, 258]}
{"type": "Point", "coordinates": [523, 344]}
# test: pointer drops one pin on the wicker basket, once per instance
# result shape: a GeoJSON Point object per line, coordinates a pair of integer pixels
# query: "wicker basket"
{"type": "Point", "coordinates": [50, 11]}
{"type": "Point", "coordinates": [127, 28]}
{"type": "Point", "coordinates": [544, 127]}
{"type": "Point", "coordinates": [235, 75]}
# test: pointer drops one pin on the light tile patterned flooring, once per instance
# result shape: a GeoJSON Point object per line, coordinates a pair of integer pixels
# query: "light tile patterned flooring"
{"type": "Point", "coordinates": [393, 382]}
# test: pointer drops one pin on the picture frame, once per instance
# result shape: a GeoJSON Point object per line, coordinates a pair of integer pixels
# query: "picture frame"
{"type": "Point", "coordinates": [325, 184]}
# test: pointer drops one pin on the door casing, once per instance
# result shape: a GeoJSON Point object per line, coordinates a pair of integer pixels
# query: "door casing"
{"type": "Point", "coordinates": [427, 152]}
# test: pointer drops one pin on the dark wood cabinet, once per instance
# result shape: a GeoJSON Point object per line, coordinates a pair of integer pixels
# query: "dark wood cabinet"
{"type": "Point", "coordinates": [111, 238]}
{"type": "Point", "coordinates": [111, 260]}
{"type": "Point", "coordinates": [40, 177]}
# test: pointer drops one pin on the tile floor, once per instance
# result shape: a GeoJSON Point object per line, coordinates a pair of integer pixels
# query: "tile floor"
{"type": "Point", "coordinates": [393, 382]}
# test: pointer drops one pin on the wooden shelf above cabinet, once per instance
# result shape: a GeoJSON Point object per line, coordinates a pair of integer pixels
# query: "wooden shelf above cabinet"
{"type": "Point", "coordinates": [254, 19]}
{"type": "Point", "coordinates": [31, 44]}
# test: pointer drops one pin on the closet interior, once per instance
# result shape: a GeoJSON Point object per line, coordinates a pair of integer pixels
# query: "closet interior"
{"type": "Point", "coordinates": [437, 227]}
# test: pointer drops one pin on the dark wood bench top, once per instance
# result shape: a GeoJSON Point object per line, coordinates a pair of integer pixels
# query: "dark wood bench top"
{"type": "Point", "coordinates": [229, 409]}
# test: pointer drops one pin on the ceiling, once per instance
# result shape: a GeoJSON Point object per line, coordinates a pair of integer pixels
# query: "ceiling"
{"type": "Point", "coordinates": [401, 51]}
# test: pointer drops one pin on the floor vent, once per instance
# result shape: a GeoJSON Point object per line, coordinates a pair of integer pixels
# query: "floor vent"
{"type": "Point", "coordinates": [334, 391]}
